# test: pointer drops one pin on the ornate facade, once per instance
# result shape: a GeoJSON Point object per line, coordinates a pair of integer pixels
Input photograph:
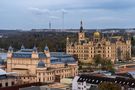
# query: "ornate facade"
{"type": "Point", "coordinates": [34, 66]}
{"type": "Point", "coordinates": [113, 47]}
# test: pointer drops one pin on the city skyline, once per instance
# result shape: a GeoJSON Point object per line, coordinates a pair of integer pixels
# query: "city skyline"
{"type": "Point", "coordinates": [31, 14]}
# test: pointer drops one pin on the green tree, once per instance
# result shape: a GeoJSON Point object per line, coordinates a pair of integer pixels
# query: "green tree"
{"type": "Point", "coordinates": [127, 56]}
{"type": "Point", "coordinates": [109, 86]}
{"type": "Point", "coordinates": [97, 59]}
{"type": "Point", "coordinates": [107, 64]}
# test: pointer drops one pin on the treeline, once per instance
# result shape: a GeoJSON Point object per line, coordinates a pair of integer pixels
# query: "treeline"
{"type": "Point", "coordinates": [56, 41]}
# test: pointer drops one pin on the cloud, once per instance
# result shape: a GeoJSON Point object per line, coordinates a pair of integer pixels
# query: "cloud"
{"type": "Point", "coordinates": [102, 4]}
{"type": "Point", "coordinates": [54, 17]}
{"type": "Point", "coordinates": [94, 12]}
{"type": "Point", "coordinates": [39, 11]}
{"type": "Point", "coordinates": [63, 10]}
{"type": "Point", "coordinates": [108, 19]}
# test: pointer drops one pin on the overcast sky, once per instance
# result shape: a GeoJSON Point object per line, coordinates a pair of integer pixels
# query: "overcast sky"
{"type": "Point", "coordinates": [28, 14]}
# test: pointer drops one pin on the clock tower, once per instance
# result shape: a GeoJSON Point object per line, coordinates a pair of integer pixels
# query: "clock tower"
{"type": "Point", "coordinates": [81, 34]}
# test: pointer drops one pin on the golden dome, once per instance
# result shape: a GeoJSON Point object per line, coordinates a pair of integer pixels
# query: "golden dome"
{"type": "Point", "coordinates": [96, 34]}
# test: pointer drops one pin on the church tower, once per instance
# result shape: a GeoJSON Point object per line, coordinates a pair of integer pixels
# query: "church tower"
{"type": "Point", "coordinates": [81, 34]}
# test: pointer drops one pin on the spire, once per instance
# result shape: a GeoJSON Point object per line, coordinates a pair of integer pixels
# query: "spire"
{"type": "Point", "coordinates": [50, 25]}
{"type": "Point", "coordinates": [46, 48]}
{"type": "Point", "coordinates": [81, 28]}
{"type": "Point", "coordinates": [10, 48]}
{"type": "Point", "coordinates": [35, 49]}
{"type": "Point", "coordinates": [22, 47]}
{"type": "Point", "coordinates": [67, 42]}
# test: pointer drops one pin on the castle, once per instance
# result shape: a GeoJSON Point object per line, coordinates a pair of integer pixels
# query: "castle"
{"type": "Point", "coordinates": [112, 47]}
{"type": "Point", "coordinates": [33, 66]}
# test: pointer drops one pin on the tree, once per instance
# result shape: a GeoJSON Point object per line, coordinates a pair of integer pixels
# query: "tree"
{"type": "Point", "coordinates": [97, 59]}
{"type": "Point", "coordinates": [127, 56]}
{"type": "Point", "coordinates": [107, 64]}
{"type": "Point", "coordinates": [109, 86]}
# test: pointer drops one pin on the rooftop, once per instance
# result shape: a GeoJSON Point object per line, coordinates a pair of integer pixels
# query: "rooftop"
{"type": "Point", "coordinates": [99, 79]}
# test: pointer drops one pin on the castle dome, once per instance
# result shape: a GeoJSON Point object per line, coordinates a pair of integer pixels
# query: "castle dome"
{"type": "Point", "coordinates": [96, 34]}
{"type": "Point", "coordinates": [41, 64]}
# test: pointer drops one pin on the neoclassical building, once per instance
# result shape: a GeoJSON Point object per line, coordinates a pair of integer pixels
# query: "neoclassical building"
{"type": "Point", "coordinates": [110, 47]}
{"type": "Point", "coordinates": [33, 66]}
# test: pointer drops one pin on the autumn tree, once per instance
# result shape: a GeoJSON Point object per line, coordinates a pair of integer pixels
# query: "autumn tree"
{"type": "Point", "coordinates": [109, 86]}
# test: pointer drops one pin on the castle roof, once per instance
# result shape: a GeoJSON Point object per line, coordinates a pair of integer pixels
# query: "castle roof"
{"type": "Point", "coordinates": [27, 54]}
{"type": "Point", "coordinates": [63, 57]}
{"type": "Point", "coordinates": [99, 79]}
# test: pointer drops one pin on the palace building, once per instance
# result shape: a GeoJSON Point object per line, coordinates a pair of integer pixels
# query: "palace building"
{"type": "Point", "coordinates": [33, 66]}
{"type": "Point", "coordinates": [109, 47]}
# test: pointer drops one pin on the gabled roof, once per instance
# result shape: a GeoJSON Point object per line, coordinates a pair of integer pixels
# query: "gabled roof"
{"type": "Point", "coordinates": [97, 79]}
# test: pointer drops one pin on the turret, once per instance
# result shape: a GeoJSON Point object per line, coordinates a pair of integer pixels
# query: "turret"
{"type": "Point", "coordinates": [34, 53]}
{"type": "Point", "coordinates": [10, 51]}
{"type": "Point", "coordinates": [47, 53]}
{"type": "Point", "coordinates": [67, 42]}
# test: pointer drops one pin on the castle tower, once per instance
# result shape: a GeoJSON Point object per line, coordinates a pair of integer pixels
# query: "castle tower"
{"type": "Point", "coordinates": [34, 53]}
{"type": "Point", "coordinates": [67, 44]}
{"type": "Point", "coordinates": [9, 59]}
{"type": "Point", "coordinates": [67, 41]}
{"type": "Point", "coordinates": [47, 53]}
{"type": "Point", "coordinates": [10, 51]}
{"type": "Point", "coordinates": [81, 34]}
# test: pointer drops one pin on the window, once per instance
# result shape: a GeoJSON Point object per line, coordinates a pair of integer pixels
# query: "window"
{"type": "Point", "coordinates": [6, 84]}
{"type": "Point", "coordinates": [0, 84]}
{"type": "Point", "coordinates": [12, 83]}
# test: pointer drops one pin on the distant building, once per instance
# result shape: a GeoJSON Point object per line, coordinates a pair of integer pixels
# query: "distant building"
{"type": "Point", "coordinates": [88, 82]}
{"type": "Point", "coordinates": [110, 47]}
{"type": "Point", "coordinates": [34, 66]}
